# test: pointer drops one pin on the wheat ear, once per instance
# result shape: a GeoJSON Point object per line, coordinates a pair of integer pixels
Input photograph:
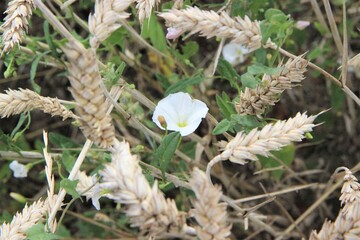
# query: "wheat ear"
{"type": "Point", "coordinates": [106, 19]}
{"type": "Point", "coordinates": [21, 222]}
{"type": "Point", "coordinates": [260, 142]}
{"type": "Point", "coordinates": [85, 88]}
{"type": "Point", "coordinates": [347, 223]}
{"type": "Point", "coordinates": [208, 212]}
{"type": "Point", "coordinates": [146, 206]}
{"type": "Point", "coordinates": [22, 100]}
{"type": "Point", "coordinates": [16, 22]}
{"type": "Point", "coordinates": [145, 7]}
{"type": "Point", "coordinates": [210, 24]}
{"type": "Point", "coordinates": [267, 93]}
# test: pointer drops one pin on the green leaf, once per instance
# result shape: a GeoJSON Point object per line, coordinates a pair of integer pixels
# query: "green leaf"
{"type": "Point", "coordinates": [68, 160]}
{"type": "Point", "coordinates": [164, 153]}
{"type": "Point", "coordinates": [248, 80]}
{"type": "Point", "coordinates": [190, 49]}
{"type": "Point", "coordinates": [262, 69]}
{"type": "Point", "coordinates": [272, 12]}
{"type": "Point", "coordinates": [285, 155]}
{"type": "Point", "coordinates": [183, 84]}
{"type": "Point", "coordinates": [153, 30]}
{"type": "Point", "coordinates": [25, 118]}
{"type": "Point", "coordinates": [37, 232]}
{"type": "Point", "coordinates": [70, 187]}
{"type": "Point", "coordinates": [337, 97]}
{"type": "Point", "coordinates": [49, 39]}
{"type": "Point", "coordinates": [225, 105]}
{"type": "Point", "coordinates": [226, 70]}
{"type": "Point", "coordinates": [246, 121]}
{"type": "Point", "coordinates": [61, 141]}
{"type": "Point", "coordinates": [33, 70]}
{"type": "Point", "coordinates": [222, 127]}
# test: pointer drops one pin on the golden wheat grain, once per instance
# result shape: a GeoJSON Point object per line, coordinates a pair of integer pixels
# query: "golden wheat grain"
{"type": "Point", "coordinates": [267, 93]}
{"type": "Point", "coordinates": [22, 100]}
{"type": "Point", "coordinates": [16, 22]}
{"type": "Point", "coordinates": [85, 88]}
{"type": "Point", "coordinates": [146, 206]}
{"type": "Point", "coordinates": [210, 24]}
{"type": "Point", "coordinates": [144, 8]}
{"type": "Point", "coordinates": [208, 212]}
{"type": "Point", "coordinates": [106, 19]}
{"type": "Point", "coordinates": [21, 222]}
{"type": "Point", "coordinates": [347, 223]}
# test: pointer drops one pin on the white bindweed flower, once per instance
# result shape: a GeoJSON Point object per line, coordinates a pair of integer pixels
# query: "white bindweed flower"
{"type": "Point", "coordinates": [179, 112]}
{"type": "Point", "coordinates": [20, 170]}
{"type": "Point", "coordinates": [234, 53]}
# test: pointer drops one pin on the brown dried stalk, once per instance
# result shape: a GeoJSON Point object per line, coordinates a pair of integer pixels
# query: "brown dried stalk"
{"type": "Point", "coordinates": [267, 93]}
{"type": "Point", "coordinates": [347, 223]}
{"type": "Point", "coordinates": [85, 88]}
{"type": "Point", "coordinates": [21, 222]}
{"type": "Point", "coordinates": [16, 22]}
{"type": "Point", "coordinates": [145, 7]}
{"type": "Point", "coordinates": [106, 19]}
{"type": "Point", "coordinates": [210, 24]}
{"type": "Point", "coordinates": [22, 100]}
{"type": "Point", "coordinates": [146, 206]}
{"type": "Point", "coordinates": [208, 212]}
{"type": "Point", "coordinates": [260, 142]}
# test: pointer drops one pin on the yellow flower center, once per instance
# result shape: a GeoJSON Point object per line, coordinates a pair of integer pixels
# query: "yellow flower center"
{"type": "Point", "coordinates": [182, 124]}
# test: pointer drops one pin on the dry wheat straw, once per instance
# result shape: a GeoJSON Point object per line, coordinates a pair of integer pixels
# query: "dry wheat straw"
{"type": "Point", "coordinates": [16, 22]}
{"type": "Point", "coordinates": [21, 222]}
{"type": "Point", "coordinates": [347, 223]}
{"type": "Point", "coordinates": [51, 197]}
{"type": "Point", "coordinates": [145, 7]}
{"type": "Point", "coordinates": [106, 19]}
{"type": "Point", "coordinates": [255, 101]}
{"type": "Point", "coordinates": [22, 100]}
{"type": "Point", "coordinates": [208, 212]}
{"type": "Point", "coordinates": [85, 87]}
{"type": "Point", "coordinates": [146, 206]}
{"type": "Point", "coordinates": [260, 142]}
{"type": "Point", "coordinates": [210, 24]}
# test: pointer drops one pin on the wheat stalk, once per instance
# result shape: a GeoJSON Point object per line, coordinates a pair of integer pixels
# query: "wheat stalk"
{"type": "Point", "coordinates": [208, 212]}
{"type": "Point", "coordinates": [21, 222]}
{"type": "Point", "coordinates": [22, 100]}
{"type": "Point", "coordinates": [255, 101]}
{"type": "Point", "coordinates": [92, 108]}
{"type": "Point", "coordinates": [16, 22]}
{"type": "Point", "coordinates": [106, 19]}
{"type": "Point", "coordinates": [347, 223]}
{"type": "Point", "coordinates": [146, 206]}
{"type": "Point", "coordinates": [210, 24]}
{"type": "Point", "coordinates": [260, 142]}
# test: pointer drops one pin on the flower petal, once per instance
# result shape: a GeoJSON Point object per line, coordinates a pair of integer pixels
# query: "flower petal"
{"type": "Point", "coordinates": [234, 53]}
{"type": "Point", "coordinates": [19, 169]}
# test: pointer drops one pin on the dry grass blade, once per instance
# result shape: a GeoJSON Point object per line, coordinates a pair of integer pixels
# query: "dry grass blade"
{"type": "Point", "coordinates": [85, 87]}
{"type": "Point", "coordinates": [16, 22]}
{"type": "Point", "coordinates": [210, 24]}
{"type": "Point", "coordinates": [208, 212]}
{"type": "Point", "coordinates": [267, 93]}
{"type": "Point", "coordinates": [23, 100]}
{"type": "Point", "coordinates": [333, 26]}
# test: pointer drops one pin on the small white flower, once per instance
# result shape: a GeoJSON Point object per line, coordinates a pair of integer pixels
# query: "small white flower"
{"type": "Point", "coordinates": [234, 53]}
{"type": "Point", "coordinates": [20, 170]}
{"type": "Point", "coordinates": [89, 187]}
{"type": "Point", "coordinates": [179, 112]}
{"type": "Point", "coordinates": [173, 33]}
